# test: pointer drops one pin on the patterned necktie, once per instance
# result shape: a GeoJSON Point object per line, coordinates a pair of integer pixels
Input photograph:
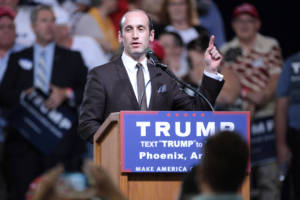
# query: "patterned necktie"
{"type": "Point", "coordinates": [141, 87]}
{"type": "Point", "coordinates": [41, 73]}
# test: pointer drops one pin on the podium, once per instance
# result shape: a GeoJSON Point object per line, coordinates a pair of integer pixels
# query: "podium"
{"type": "Point", "coordinates": [137, 186]}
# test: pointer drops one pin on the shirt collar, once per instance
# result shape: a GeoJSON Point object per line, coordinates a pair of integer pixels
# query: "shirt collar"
{"type": "Point", "coordinates": [46, 48]}
{"type": "Point", "coordinates": [130, 63]}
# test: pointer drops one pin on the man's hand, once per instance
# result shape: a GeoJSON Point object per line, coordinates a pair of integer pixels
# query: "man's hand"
{"type": "Point", "coordinates": [28, 91]}
{"type": "Point", "coordinates": [57, 97]}
{"type": "Point", "coordinates": [257, 98]}
{"type": "Point", "coordinates": [212, 57]}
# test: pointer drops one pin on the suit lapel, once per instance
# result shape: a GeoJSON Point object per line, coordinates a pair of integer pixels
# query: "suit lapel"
{"type": "Point", "coordinates": [56, 58]}
{"type": "Point", "coordinates": [31, 56]}
{"type": "Point", "coordinates": [29, 74]}
{"type": "Point", "coordinates": [154, 73]}
{"type": "Point", "coordinates": [125, 78]}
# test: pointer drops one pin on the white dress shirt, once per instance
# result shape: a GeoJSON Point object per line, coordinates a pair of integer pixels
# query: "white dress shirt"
{"type": "Point", "coordinates": [130, 66]}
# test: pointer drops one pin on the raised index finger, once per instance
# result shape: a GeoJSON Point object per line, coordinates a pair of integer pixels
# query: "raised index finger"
{"type": "Point", "coordinates": [211, 41]}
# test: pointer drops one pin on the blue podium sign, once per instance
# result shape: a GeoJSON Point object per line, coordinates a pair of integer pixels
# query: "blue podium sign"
{"type": "Point", "coordinates": [172, 142]}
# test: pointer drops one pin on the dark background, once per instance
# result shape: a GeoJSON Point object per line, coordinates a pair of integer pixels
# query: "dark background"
{"type": "Point", "coordinates": [280, 19]}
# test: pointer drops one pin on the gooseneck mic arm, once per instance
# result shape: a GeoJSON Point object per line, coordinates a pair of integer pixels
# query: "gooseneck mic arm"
{"type": "Point", "coordinates": [153, 59]}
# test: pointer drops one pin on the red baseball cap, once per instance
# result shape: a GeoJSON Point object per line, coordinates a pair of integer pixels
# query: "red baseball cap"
{"type": "Point", "coordinates": [245, 8]}
{"type": "Point", "coordinates": [5, 11]}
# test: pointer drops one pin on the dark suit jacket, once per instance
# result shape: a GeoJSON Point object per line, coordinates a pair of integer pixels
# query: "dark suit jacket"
{"type": "Point", "coordinates": [68, 71]}
{"type": "Point", "coordinates": [108, 89]}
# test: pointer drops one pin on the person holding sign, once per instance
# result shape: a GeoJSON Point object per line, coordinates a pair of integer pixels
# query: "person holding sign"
{"type": "Point", "coordinates": [130, 83]}
{"type": "Point", "coordinates": [60, 75]}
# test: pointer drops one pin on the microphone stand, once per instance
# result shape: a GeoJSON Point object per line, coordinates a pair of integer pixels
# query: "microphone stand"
{"type": "Point", "coordinates": [172, 75]}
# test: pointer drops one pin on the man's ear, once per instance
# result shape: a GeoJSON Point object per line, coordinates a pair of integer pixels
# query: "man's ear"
{"type": "Point", "coordinates": [120, 38]}
{"type": "Point", "coordinates": [152, 35]}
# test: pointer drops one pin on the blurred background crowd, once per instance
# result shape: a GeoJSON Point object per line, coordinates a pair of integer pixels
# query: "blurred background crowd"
{"type": "Point", "coordinates": [259, 41]}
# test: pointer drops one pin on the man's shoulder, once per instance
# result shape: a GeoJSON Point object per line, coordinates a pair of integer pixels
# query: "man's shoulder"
{"type": "Point", "coordinates": [266, 43]}
{"type": "Point", "coordinates": [107, 67]}
{"type": "Point", "coordinates": [28, 52]}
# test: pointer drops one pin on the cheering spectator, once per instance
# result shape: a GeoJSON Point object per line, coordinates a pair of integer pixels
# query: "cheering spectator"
{"type": "Point", "coordinates": [256, 60]}
{"type": "Point", "coordinates": [60, 74]}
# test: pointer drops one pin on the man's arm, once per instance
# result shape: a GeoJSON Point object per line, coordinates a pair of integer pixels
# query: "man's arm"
{"type": "Point", "coordinates": [9, 87]}
{"type": "Point", "coordinates": [212, 82]}
{"type": "Point", "coordinates": [232, 87]}
{"type": "Point", "coordinates": [281, 112]}
{"type": "Point", "coordinates": [91, 113]}
{"type": "Point", "coordinates": [260, 98]}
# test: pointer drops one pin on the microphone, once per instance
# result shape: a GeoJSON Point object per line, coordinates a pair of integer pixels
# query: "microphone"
{"type": "Point", "coordinates": [144, 92]}
{"type": "Point", "coordinates": [153, 59]}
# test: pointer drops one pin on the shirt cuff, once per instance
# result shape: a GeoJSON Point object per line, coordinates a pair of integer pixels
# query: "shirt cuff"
{"type": "Point", "coordinates": [71, 97]}
{"type": "Point", "coordinates": [217, 76]}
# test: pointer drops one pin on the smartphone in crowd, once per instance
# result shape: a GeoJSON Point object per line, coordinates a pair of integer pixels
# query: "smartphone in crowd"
{"type": "Point", "coordinates": [72, 181]}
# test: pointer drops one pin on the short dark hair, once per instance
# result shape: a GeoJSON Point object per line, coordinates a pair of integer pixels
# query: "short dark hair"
{"type": "Point", "coordinates": [224, 162]}
{"type": "Point", "coordinates": [150, 22]}
{"type": "Point", "coordinates": [177, 38]}
{"type": "Point", "coordinates": [36, 11]}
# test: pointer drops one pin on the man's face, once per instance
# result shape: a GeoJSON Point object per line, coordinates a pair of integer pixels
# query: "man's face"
{"type": "Point", "coordinates": [245, 26]}
{"type": "Point", "coordinates": [135, 34]}
{"type": "Point", "coordinates": [7, 32]}
{"type": "Point", "coordinates": [44, 27]}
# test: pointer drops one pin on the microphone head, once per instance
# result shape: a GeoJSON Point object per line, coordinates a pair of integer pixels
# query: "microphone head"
{"type": "Point", "coordinates": [149, 52]}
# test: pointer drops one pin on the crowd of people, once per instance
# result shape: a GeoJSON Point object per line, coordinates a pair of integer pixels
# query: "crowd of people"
{"type": "Point", "coordinates": [49, 47]}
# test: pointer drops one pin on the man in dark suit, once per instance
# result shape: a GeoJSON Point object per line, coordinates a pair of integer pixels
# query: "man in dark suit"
{"type": "Point", "coordinates": [116, 86]}
{"type": "Point", "coordinates": [64, 78]}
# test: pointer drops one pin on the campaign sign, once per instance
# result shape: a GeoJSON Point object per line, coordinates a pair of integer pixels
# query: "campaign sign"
{"type": "Point", "coordinates": [262, 141]}
{"type": "Point", "coordinates": [41, 126]}
{"type": "Point", "coordinates": [172, 142]}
